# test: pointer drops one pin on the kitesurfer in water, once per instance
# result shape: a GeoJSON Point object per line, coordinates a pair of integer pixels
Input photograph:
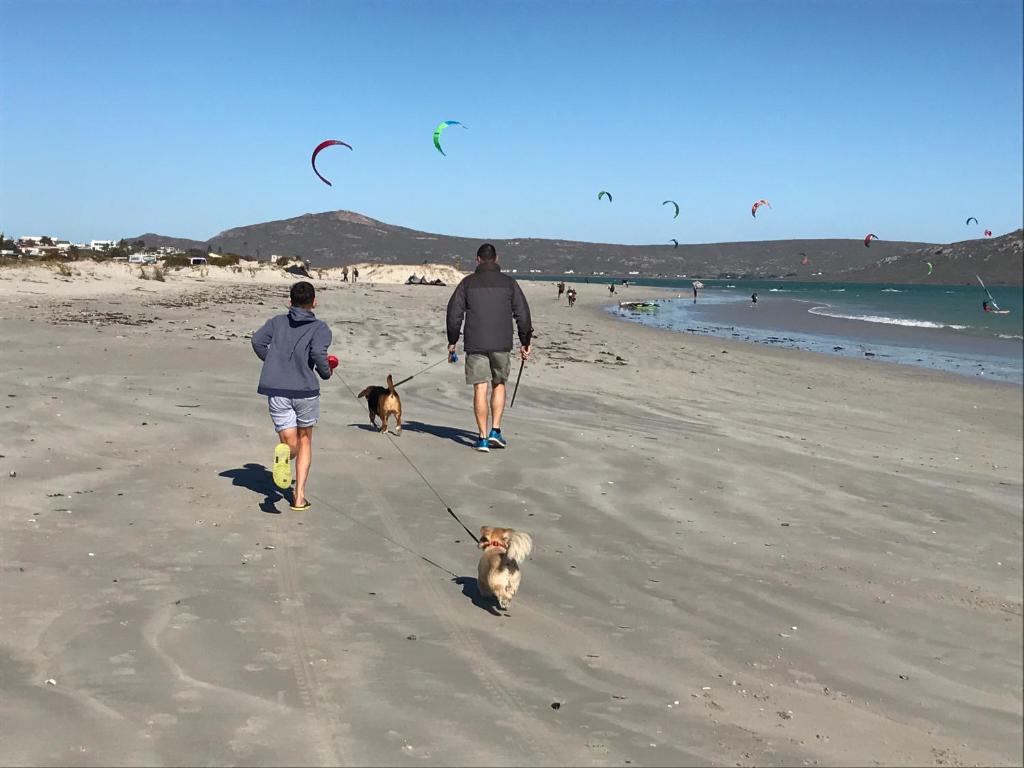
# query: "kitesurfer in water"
{"type": "Point", "coordinates": [753, 299]}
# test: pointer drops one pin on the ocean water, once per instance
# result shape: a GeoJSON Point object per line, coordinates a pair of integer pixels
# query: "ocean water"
{"type": "Point", "coordinates": [934, 326]}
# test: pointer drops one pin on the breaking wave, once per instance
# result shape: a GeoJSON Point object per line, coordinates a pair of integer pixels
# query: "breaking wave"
{"type": "Point", "coordinates": [824, 311]}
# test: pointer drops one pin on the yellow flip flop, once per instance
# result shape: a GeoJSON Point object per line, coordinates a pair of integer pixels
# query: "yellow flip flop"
{"type": "Point", "coordinates": [282, 466]}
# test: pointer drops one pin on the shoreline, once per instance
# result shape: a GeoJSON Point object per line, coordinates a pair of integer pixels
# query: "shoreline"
{"type": "Point", "coordinates": [791, 324]}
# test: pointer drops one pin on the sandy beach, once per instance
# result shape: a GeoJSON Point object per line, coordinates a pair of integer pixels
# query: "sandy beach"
{"type": "Point", "coordinates": [743, 555]}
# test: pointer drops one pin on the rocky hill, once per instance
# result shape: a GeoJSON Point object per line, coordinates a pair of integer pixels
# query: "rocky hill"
{"type": "Point", "coordinates": [343, 237]}
{"type": "Point", "coordinates": [998, 260]}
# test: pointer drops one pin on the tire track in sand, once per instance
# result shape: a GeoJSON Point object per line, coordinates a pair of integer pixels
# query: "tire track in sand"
{"type": "Point", "coordinates": [315, 699]}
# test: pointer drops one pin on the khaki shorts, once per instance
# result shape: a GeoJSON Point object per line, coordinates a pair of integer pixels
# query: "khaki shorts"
{"type": "Point", "coordinates": [482, 367]}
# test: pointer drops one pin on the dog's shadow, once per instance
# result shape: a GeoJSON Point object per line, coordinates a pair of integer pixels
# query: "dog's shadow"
{"type": "Point", "coordinates": [460, 436]}
{"type": "Point", "coordinates": [257, 478]}
{"type": "Point", "coordinates": [471, 590]}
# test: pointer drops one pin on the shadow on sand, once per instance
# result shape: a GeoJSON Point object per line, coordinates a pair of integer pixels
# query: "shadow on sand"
{"type": "Point", "coordinates": [472, 591]}
{"type": "Point", "coordinates": [460, 436]}
{"type": "Point", "coordinates": [258, 479]}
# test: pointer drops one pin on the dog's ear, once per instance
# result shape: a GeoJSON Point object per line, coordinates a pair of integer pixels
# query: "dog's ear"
{"type": "Point", "coordinates": [485, 534]}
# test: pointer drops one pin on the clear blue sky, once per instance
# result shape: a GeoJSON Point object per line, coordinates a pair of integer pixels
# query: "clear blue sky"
{"type": "Point", "coordinates": [187, 118]}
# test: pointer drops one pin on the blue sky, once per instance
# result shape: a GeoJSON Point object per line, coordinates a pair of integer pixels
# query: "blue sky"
{"type": "Point", "coordinates": [187, 118]}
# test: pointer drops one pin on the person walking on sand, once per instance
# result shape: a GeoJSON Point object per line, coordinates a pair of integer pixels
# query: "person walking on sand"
{"type": "Point", "coordinates": [561, 290]}
{"type": "Point", "coordinates": [753, 299]}
{"type": "Point", "coordinates": [355, 275]}
{"type": "Point", "coordinates": [488, 300]}
{"type": "Point", "coordinates": [344, 274]}
{"type": "Point", "coordinates": [572, 296]}
{"type": "Point", "coordinates": [291, 347]}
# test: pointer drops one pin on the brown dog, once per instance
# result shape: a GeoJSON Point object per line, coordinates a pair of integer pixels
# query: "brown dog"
{"type": "Point", "coordinates": [382, 402]}
{"type": "Point", "coordinates": [498, 574]}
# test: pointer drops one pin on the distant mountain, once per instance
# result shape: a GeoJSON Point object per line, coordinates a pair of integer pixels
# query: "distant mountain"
{"type": "Point", "coordinates": [998, 260]}
{"type": "Point", "coordinates": [153, 240]}
{"type": "Point", "coordinates": [343, 237]}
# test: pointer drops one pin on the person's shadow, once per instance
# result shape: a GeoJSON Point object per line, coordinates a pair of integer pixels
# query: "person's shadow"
{"type": "Point", "coordinates": [460, 436]}
{"type": "Point", "coordinates": [471, 590]}
{"type": "Point", "coordinates": [258, 479]}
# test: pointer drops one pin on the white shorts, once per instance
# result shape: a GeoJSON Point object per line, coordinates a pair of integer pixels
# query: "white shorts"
{"type": "Point", "coordinates": [289, 413]}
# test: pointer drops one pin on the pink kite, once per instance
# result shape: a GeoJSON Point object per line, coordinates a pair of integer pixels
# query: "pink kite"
{"type": "Point", "coordinates": [324, 145]}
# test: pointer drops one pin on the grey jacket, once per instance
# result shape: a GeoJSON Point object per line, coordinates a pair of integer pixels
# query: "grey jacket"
{"type": "Point", "coordinates": [488, 300]}
{"type": "Point", "coordinates": [291, 346]}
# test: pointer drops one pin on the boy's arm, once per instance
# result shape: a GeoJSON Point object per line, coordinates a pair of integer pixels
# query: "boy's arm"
{"type": "Point", "coordinates": [322, 338]}
{"type": "Point", "coordinates": [262, 338]}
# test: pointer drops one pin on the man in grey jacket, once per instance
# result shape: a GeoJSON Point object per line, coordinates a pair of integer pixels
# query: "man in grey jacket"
{"type": "Point", "coordinates": [291, 347]}
{"type": "Point", "coordinates": [488, 301]}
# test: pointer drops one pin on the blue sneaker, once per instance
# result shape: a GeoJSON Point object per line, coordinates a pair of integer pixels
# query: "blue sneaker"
{"type": "Point", "coordinates": [495, 439]}
{"type": "Point", "coordinates": [483, 445]}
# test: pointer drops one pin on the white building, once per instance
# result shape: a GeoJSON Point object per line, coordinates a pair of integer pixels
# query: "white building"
{"type": "Point", "coordinates": [101, 245]}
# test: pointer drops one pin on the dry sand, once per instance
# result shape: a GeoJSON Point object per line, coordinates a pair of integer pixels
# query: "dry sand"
{"type": "Point", "coordinates": [743, 555]}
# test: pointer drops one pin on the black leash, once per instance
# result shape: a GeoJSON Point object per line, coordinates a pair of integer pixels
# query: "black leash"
{"type": "Point", "coordinates": [520, 376]}
{"type": "Point", "coordinates": [384, 536]}
{"type": "Point", "coordinates": [408, 378]}
{"type": "Point", "coordinates": [473, 537]}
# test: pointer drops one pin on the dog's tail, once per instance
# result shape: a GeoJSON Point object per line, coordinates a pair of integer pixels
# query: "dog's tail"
{"type": "Point", "coordinates": [365, 393]}
{"type": "Point", "coordinates": [519, 546]}
{"type": "Point", "coordinates": [391, 385]}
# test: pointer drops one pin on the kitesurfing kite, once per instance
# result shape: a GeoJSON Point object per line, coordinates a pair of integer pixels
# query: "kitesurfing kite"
{"type": "Point", "coordinates": [969, 220]}
{"type": "Point", "coordinates": [929, 267]}
{"type": "Point", "coordinates": [673, 202]}
{"type": "Point", "coordinates": [867, 240]}
{"type": "Point", "coordinates": [604, 194]}
{"type": "Point", "coordinates": [758, 204]}
{"type": "Point", "coordinates": [675, 242]}
{"type": "Point", "coordinates": [991, 302]}
{"type": "Point", "coordinates": [988, 233]}
{"type": "Point", "coordinates": [324, 145]}
{"type": "Point", "coordinates": [437, 133]}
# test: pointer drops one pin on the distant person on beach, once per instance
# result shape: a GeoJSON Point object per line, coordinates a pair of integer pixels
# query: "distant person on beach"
{"type": "Point", "coordinates": [985, 307]}
{"type": "Point", "coordinates": [344, 274]}
{"type": "Point", "coordinates": [572, 296]}
{"type": "Point", "coordinates": [695, 294]}
{"type": "Point", "coordinates": [355, 274]}
{"type": "Point", "coordinates": [753, 299]}
{"type": "Point", "coordinates": [561, 290]}
{"type": "Point", "coordinates": [292, 347]}
{"type": "Point", "coordinates": [488, 301]}
{"type": "Point", "coordinates": [611, 287]}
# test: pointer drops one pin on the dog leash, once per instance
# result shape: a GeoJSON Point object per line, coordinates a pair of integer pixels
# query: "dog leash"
{"type": "Point", "coordinates": [473, 537]}
{"type": "Point", "coordinates": [434, 365]}
{"type": "Point", "coordinates": [384, 536]}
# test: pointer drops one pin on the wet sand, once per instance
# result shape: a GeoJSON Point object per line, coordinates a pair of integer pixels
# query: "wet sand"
{"type": "Point", "coordinates": [743, 555]}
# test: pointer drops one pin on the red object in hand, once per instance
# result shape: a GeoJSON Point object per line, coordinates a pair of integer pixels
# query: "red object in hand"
{"type": "Point", "coordinates": [332, 361]}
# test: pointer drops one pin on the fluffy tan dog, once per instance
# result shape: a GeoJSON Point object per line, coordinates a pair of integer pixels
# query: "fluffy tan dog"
{"type": "Point", "coordinates": [499, 571]}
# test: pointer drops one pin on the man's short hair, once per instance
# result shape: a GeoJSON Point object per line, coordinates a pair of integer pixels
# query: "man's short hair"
{"type": "Point", "coordinates": [302, 294]}
{"type": "Point", "coordinates": [486, 252]}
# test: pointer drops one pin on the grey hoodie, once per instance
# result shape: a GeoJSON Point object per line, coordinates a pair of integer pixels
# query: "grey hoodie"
{"type": "Point", "coordinates": [291, 346]}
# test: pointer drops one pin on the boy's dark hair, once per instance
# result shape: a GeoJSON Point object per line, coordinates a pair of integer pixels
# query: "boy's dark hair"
{"type": "Point", "coordinates": [486, 252]}
{"type": "Point", "coordinates": [302, 294]}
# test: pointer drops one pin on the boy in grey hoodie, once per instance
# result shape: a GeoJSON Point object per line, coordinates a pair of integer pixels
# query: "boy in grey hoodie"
{"type": "Point", "coordinates": [291, 347]}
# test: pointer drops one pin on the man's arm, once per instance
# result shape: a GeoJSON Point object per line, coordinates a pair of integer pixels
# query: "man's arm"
{"type": "Point", "coordinates": [456, 313]}
{"type": "Point", "coordinates": [322, 338]}
{"type": "Point", "coordinates": [521, 312]}
{"type": "Point", "coordinates": [262, 338]}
